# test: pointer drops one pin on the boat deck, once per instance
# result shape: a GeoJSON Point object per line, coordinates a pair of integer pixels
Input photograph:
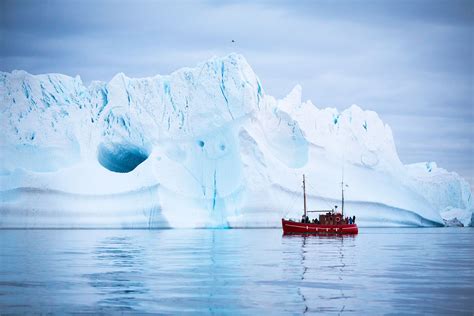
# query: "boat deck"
{"type": "Point", "coordinates": [293, 227]}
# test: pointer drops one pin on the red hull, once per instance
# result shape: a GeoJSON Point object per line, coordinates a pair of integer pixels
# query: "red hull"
{"type": "Point", "coordinates": [290, 227]}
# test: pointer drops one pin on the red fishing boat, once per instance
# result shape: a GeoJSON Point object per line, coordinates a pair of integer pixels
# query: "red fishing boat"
{"type": "Point", "coordinates": [329, 222]}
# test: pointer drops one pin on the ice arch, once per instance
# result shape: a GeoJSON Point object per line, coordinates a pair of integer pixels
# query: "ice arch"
{"type": "Point", "coordinates": [121, 157]}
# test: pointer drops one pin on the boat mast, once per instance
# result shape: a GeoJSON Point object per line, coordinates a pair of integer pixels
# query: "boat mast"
{"type": "Point", "coordinates": [342, 208]}
{"type": "Point", "coordinates": [304, 196]}
{"type": "Point", "coordinates": [342, 192]}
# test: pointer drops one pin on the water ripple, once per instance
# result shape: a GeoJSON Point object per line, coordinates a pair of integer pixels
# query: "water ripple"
{"type": "Point", "coordinates": [427, 271]}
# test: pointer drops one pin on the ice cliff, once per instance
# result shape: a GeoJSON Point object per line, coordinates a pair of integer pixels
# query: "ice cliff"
{"type": "Point", "coordinates": [201, 147]}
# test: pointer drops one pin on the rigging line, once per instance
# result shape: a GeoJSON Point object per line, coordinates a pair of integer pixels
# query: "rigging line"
{"type": "Point", "coordinates": [277, 197]}
{"type": "Point", "coordinates": [322, 198]}
{"type": "Point", "coordinates": [291, 204]}
{"type": "Point", "coordinates": [292, 200]}
{"type": "Point", "coordinates": [295, 196]}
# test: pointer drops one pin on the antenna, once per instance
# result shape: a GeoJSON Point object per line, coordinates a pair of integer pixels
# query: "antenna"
{"type": "Point", "coordinates": [342, 190]}
{"type": "Point", "coordinates": [342, 202]}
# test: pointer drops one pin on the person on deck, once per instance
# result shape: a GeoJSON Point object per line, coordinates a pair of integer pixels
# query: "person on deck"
{"type": "Point", "coordinates": [353, 219]}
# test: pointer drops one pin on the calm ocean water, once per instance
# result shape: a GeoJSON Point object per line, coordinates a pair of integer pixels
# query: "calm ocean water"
{"type": "Point", "coordinates": [241, 271]}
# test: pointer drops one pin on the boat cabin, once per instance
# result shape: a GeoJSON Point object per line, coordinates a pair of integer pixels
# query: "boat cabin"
{"type": "Point", "coordinates": [331, 219]}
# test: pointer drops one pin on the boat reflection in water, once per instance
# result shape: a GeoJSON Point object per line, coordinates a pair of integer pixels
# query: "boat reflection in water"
{"type": "Point", "coordinates": [332, 222]}
{"type": "Point", "coordinates": [324, 264]}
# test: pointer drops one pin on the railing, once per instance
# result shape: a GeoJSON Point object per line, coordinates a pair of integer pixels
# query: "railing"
{"type": "Point", "coordinates": [321, 211]}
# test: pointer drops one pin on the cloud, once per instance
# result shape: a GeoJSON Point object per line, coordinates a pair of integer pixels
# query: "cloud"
{"type": "Point", "coordinates": [411, 61]}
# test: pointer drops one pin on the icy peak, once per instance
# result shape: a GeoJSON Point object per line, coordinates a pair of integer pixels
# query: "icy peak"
{"type": "Point", "coordinates": [294, 97]}
{"type": "Point", "coordinates": [235, 59]}
{"type": "Point", "coordinates": [355, 109]}
{"type": "Point", "coordinates": [18, 73]}
{"type": "Point", "coordinates": [119, 77]}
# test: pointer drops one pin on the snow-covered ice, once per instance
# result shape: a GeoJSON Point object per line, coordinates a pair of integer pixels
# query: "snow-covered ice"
{"type": "Point", "coordinates": [201, 147]}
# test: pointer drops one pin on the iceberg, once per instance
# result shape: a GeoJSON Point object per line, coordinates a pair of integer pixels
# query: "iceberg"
{"type": "Point", "coordinates": [201, 147]}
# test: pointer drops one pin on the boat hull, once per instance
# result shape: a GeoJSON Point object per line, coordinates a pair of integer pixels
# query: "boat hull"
{"type": "Point", "coordinates": [291, 227]}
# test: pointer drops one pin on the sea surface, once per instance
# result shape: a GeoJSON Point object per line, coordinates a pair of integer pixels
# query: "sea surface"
{"type": "Point", "coordinates": [237, 271]}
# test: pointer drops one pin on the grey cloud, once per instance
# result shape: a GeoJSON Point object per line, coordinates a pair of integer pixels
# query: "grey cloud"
{"type": "Point", "coordinates": [411, 61]}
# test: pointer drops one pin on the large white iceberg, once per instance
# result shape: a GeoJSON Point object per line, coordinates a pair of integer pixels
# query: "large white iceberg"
{"type": "Point", "coordinates": [201, 147]}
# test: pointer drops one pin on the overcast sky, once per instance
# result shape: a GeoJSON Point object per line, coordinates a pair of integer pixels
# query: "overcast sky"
{"type": "Point", "coordinates": [410, 61]}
